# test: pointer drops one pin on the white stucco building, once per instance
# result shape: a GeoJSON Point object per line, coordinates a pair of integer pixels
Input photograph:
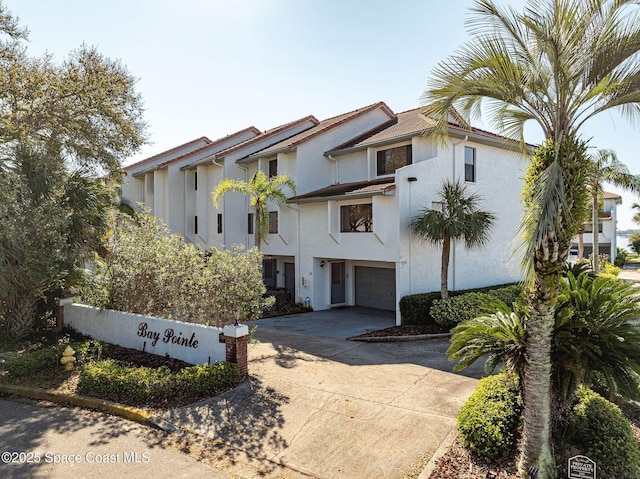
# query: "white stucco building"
{"type": "Point", "coordinates": [344, 238]}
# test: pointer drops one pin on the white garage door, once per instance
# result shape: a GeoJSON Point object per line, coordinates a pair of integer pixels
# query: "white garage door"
{"type": "Point", "coordinates": [376, 288]}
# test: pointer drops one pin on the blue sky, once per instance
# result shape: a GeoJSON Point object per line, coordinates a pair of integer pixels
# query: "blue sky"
{"type": "Point", "coordinates": [212, 67]}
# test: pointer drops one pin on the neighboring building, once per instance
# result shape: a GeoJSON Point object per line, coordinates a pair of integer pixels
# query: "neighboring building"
{"type": "Point", "coordinates": [361, 177]}
{"type": "Point", "coordinates": [607, 227]}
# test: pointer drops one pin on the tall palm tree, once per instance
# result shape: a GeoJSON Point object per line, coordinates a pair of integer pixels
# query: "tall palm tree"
{"type": "Point", "coordinates": [559, 63]}
{"type": "Point", "coordinates": [260, 190]}
{"type": "Point", "coordinates": [636, 216]}
{"type": "Point", "coordinates": [605, 167]}
{"type": "Point", "coordinates": [458, 219]}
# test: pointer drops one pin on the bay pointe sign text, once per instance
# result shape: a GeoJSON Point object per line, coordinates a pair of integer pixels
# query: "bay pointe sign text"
{"type": "Point", "coordinates": [189, 342]}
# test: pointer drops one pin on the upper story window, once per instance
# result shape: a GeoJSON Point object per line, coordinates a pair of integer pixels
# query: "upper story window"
{"type": "Point", "coordinates": [390, 160]}
{"type": "Point", "coordinates": [588, 227]}
{"type": "Point", "coordinates": [273, 222]}
{"type": "Point", "coordinates": [469, 164]}
{"type": "Point", "coordinates": [273, 168]}
{"type": "Point", "coordinates": [195, 180]}
{"type": "Point", "coordinates": [250, 223]}
{"type": "Point", "coordinates": [219, 223]}
{"type": "Point", "coordinates": [356, 218]}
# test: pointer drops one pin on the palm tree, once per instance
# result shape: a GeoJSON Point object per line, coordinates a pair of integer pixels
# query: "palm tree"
{"type": "Point", "coordinates": [559, 63]}
{"type": "Point", "coordinates": [636, 216]}
{"type": "Point", "coordinates": [458, 219]}
{"type": "Point", "coordinates": [605, 167]}
{"type": "Point", "coordinates": [260, 189]}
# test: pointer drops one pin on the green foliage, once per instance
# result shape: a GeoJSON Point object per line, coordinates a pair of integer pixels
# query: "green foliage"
{"type": "Point", "coordinates": [110, 380]}
{"type": "Point", "coordinates": [260, 190]}
{"type": "Point", "coordinates": [416, 308]}
{"type": "Point", "coordinates": [65, 129]}
{"type": "Point", "coordinates": [634, 242]}
{"type": "Point", "coordinates": [452, 311]}
{"type": "Point", "coordinates": [577, 268]}
{"type": "Point", "coordinates": [621, 257]}
{"type": "Point", "coordinates": [499, 336]}
{"type": "Point", "coordinates": [611, 269]}
{"type": "Point", "coordinates": [29, 364]}
{"type": "Point", "coordinates": [488, 421]}
{"type": "Point", "coordinates": [208, 379]}
{"type": "Point", "coordinates": [600, 431]}
{"type": "Point", "coordinates": [150, 271]}
{"type": "Point", "coordinates": [458, 219]}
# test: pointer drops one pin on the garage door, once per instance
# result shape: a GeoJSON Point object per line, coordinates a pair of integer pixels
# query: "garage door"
{"type": "Point", "coordinates": [376, 288]}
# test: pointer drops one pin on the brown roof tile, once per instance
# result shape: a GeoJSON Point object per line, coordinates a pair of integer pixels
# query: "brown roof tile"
{"type": "Point", "coordinates": [379, 185]}
{"type": "Point", "coordinates": [151, 158]}
{"type": "Point", "coordinates": [324, 125]}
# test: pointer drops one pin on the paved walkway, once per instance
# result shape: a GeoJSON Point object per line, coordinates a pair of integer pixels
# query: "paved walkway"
{"type": "Point", "coordinates": [337, 409]}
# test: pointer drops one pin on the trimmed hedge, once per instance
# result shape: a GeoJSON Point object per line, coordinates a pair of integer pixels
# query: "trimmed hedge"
{"type": "Point", "coordinates": [112, 381]}
{"type": "Point", "coordinates": [449, 312]}
{"type": "Point", "coordinates": [488, 421]}
{"type": "Point", "coordinates": [599, 429]}
{"type": "Point", "coordinates": [416, 308]}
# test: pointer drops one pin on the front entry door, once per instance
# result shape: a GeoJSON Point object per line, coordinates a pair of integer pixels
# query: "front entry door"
{"type": "Point", "coordinates": [337, 283]}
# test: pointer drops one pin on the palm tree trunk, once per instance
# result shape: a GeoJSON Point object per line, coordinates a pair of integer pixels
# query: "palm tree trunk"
{"type": "Point", "coordinates": [537, 459]}
{"type": "Point", "coordinates": [444, 271]}
{"type": "Point", "coordinates": [580, 245]}
{"type": "Point", "coordinates": [257, 227]}
{"type": "Point", "coordinates": [594, 227]}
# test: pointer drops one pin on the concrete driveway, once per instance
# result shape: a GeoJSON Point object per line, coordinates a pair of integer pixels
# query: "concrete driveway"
{"type": "Point", "coordinates": [333, 409]}
{"type": "Point", "coordinates": [340, 323]}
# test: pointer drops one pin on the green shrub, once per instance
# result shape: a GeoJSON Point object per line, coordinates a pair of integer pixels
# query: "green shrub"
{"type": "Point", "coordinates": [416, 308]}
{"type": "Point", "coordinates": [621, 257]}
{"type": "Point", "coordinates": [611, 269]}
{"type": "Point", "coordinates": [450, 312]}
{"type": "Point", "coordinates": [112, 381]}
{"type": "Point", "coordinates": [208, 379]}
{"type": "Point", "coordinates": [488, 421]}
{"type": "Point", "coordinates": [599, 430]}
{"type": "Point", "coordinates": [28, 364]}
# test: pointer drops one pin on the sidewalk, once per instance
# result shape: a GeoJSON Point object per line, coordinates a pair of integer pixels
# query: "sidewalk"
{"type": "Point", "coordinates": [336, 409]}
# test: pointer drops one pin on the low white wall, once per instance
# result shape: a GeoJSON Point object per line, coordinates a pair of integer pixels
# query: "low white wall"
{"type": "Point", "coordinates": [192, 343]}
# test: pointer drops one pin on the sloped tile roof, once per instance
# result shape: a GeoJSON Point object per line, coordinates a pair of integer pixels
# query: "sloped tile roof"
{"type": "Point", "coordinates": [357, 188]}
{"type": "Point", "coordinates": [176, 148]}
{"type": "Point", "coordinates": [211, 146]}
{"type": "Point", "coordinates": [321, 127]}
{"type": "Point", "coordinates": [610, 196]}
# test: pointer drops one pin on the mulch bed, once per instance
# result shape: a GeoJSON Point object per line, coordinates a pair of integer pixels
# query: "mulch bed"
{"type": "Point", "coordinates": [404, 330]}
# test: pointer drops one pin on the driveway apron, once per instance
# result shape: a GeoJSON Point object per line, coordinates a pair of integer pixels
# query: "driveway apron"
{"type": "Point", "coordinates": [337, 409]}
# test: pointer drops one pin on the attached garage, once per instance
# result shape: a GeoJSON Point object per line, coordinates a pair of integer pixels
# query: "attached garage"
{"type": "Point", "coordinates": [375, 287]}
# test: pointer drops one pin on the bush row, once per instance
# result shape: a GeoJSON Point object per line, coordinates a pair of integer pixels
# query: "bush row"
{"type": "Point", "coordinates": [489, 422]}
{"type": "Point", "coordinates": [110, 380]}
{"type": "Point", "coordinates": [417, 309]}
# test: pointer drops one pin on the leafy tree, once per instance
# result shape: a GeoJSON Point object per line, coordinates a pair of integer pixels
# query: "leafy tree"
{"type": "Point", "coordinates": [636, 216]}
{"type": "Point", "coordinates": [64, 128]}
{"type": "Point", "coordinates": [559, 63]}
{"type": "Point", "coordinates": [458, 219]}
{"type": "Point", "coordinates": [260, 190]}
{"type": "Point", "coordinates": [604, 166]}
{"type": "Point", "coordinates": [634, 242]}
{"type": "Point", "coordinates": [148, 270]}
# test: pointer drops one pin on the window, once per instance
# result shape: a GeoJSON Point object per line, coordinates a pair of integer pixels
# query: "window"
{"type": "Point", "coordinates": [195, 225]}
{"type": "Point", "coordinates": [219, 223]}
{"type": "Point", "coordinates": [273, 168]}
{"type": "Point", "coordinates": [469, 164]}
{"type": "Point", "coordinates": [588, 227]}
{"type": "Point", "coordinates": [392, 159]}
{"type": "Point", "coordinates": [356, 219]}
{"type": "Point", "coordinates": [195, 181]}
{"type": "Point", "coordinates": [250, 223]}
{"type": "Point", "coordinates": [273, 222]}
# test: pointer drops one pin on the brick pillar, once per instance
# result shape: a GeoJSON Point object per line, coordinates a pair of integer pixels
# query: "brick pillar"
{"type": "Point", "coordinates": [236, 346]}
{"type": "Point", "coordinates": [59, 313]}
